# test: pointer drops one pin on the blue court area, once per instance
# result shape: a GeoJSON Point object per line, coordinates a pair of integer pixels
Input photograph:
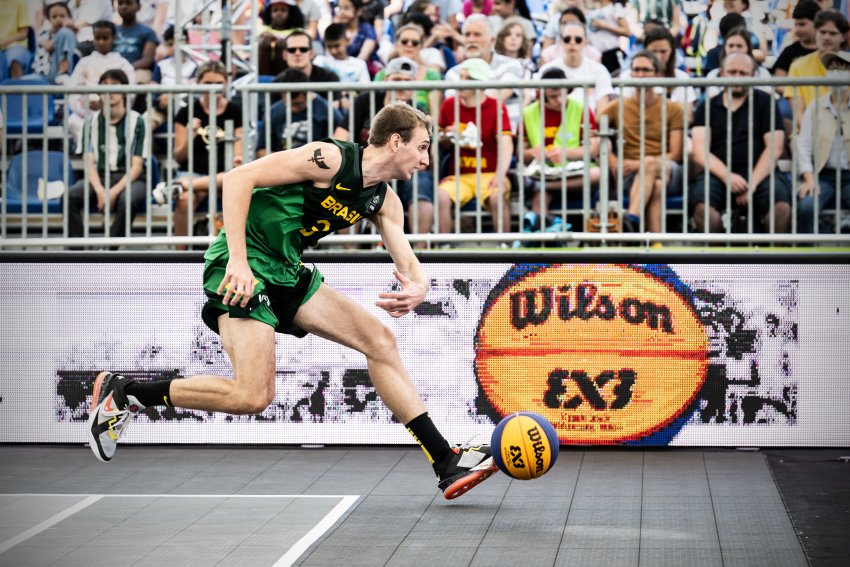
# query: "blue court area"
{"type": "Point", "coordinates": [341, 506]}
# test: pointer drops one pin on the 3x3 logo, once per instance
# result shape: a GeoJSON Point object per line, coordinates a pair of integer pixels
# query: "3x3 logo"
{"type": "Point", "coordinates": [590, 390]}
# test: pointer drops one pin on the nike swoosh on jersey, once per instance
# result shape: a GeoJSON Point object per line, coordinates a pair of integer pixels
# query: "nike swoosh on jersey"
{"type": "Point", "coordinates": [341, 188]}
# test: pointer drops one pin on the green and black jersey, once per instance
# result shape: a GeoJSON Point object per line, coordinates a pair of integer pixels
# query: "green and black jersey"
{"type": "Point", "coordinates": [284, 219]}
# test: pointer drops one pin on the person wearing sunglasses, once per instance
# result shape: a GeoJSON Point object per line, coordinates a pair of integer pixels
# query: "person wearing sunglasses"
{"type": "Point", "coordinates": [298, 54]}
{"type": "Point", "coordinates": [280, 18]}
{"type": "Point", "coordinates": [577, 67]}
{"type": "Point", "coordinates": [651, 165]}
{"type": "Point", "coordinates": [409, 41]}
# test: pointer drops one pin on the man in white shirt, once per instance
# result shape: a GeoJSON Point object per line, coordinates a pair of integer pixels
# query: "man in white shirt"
{"type": "Point", "coordinates": [579, 68]}
{"type": "Point", "coordinates": [480, 43]}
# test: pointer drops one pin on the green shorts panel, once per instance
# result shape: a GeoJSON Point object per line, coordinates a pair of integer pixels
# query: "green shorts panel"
{"type": "Point", "coordinates": [272, 304]}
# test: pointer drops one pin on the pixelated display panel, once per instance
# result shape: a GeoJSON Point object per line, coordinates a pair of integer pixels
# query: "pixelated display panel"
{"type": "Point", "coordinates": [610, 354]}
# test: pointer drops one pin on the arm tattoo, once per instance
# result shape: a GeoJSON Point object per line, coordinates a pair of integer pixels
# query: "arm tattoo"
{"type": "Point", "coordinates": [318, 159]}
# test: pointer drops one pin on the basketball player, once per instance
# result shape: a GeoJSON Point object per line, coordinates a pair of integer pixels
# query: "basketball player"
{"type": "Point", "coordinates": [256, 285]}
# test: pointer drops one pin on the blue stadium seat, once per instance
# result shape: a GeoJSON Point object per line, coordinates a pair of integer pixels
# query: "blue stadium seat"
{"type": "Point", "coordinates": [15, 107]}
{"type": "Point", "coordinates": [15, 181]}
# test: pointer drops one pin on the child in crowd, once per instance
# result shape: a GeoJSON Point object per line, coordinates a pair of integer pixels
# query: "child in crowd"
{"type": "Point", "coordinates": [136, 42]}
{"type": "Point", "coordinates": [363, 42]}
{"type": "Point", "coordinates": [349, 69]}
{"type": "Point", "coordinates": [54, 56]}
{"type": "Point", "coordinates": [111, 138]}
{"type": "Point", "coordinates": [88, 72]}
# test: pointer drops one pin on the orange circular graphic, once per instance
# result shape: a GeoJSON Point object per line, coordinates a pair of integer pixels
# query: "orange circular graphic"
{"type": "Point", "coordinates": [607, 353]}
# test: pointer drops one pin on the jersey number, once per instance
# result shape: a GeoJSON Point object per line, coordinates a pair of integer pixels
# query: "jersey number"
{"type": "Point", "coordinates": [326, 226]}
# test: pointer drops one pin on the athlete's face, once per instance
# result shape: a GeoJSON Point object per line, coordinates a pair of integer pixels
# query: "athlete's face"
{"type": "Point", "coordinates": [414, 155]}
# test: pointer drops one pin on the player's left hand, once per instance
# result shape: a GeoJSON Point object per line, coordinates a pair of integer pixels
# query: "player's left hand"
{"type": "Point", "coordinates": [398, 303]}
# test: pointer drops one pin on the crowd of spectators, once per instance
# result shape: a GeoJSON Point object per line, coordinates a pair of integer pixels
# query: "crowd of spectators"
{"type": "Point", "coordinates": [91, 42]}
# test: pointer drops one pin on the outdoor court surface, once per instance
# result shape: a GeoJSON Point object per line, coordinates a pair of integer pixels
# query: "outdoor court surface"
{"type": "Point", "coordinates": [338, 506]}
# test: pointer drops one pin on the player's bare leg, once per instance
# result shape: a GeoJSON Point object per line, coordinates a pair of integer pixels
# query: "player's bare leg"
{"type": "Point", "coordinates": [331, 315]}
{"type": "Point", "coordinates": [250, 345]}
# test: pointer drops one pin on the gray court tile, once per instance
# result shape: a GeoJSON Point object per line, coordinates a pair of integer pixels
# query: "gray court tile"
{"type": "Point", "coordinates": [609, 556]}
{"type": "Point", "coordinates": [757, 553]}
{"type": "Point", "coordinates": [359, 472]}
{"type": "Point", "coordinates": [692, 554]}
{"type": "Point", "coordinates": [103, 556]}
{"type": "Point", "coordinates": [230, 475]}
{"type": "Point", "coordinates": [416, 555]}
{"type": "Point", "coordinates": [471, 513]}
{"type": "Point", "coordinates": [185, 556]}
{"type": "Point", "coordinates": [277, 535]}
{"type": "Point", "coordinates": [331, 556]}
{"type": "Point", "coordinates": [686, 502]}
{"type": "Point", "coordinates": [253, 555]}
{"type": "Point", "coordinates": [604, 501]}
{"type": "Point", "coordinates": [678, 525]}
{"type": "Point", "coordinates": [444, 539]}
{"type": "Point", "coordinates": [411, 475]}
{"type": "Point", "coordinates": [512, 539]}
{"type": "Point", "coordinates": [229, 535]}
{"type": "Point", "coordinates": [529, 520]}
{"type": "Point", "coordinates": [488, 556]}
{"type": "Point", "coordinates": [300, 511]}
{"type": "Point", "coordinates": [353, 538]}
{"type": "Point", "coordinates": [27, 511]}
{"type": "Point", "coordinates": [534, 503]}
{"type": "Point", "coordinates": [600, 537]}
{"type": "Point", "coordinates": [20, 556]}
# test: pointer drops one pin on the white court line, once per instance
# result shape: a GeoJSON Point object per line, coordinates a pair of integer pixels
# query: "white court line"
{"type": "Point", "coordinates": [288, 558]}
{"type": "Point", "coordinates": [310, 538]}
{"type": "Point", "coordinates": [183, 495]}
{"type": "Point", "coordinates": [55, 519]}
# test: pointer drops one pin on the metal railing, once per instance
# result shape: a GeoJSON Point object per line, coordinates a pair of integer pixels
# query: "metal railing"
{"type": "Point", "coordinates": [581, 205]}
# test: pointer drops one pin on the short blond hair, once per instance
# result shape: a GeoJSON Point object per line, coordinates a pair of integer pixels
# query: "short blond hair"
{"type": "Point", "coordinates": [397, 118]}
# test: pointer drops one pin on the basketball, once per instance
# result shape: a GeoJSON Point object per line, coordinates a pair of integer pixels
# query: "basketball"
{"type": "Point", "coordinates": [525, 445]}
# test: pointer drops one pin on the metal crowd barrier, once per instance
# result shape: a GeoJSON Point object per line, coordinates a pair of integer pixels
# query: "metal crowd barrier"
{"type": "Point", "coordinates": [45, 227]}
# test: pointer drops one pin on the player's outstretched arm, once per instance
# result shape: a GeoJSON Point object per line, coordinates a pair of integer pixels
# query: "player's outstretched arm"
{"type": "Point", "coordinates": [317, 163]}
{"type": "Point", "coordinates": [414, 281]}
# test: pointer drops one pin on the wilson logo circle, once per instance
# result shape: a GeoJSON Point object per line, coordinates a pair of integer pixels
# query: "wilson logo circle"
{"type": "Point", "coordinates": [607, 353]}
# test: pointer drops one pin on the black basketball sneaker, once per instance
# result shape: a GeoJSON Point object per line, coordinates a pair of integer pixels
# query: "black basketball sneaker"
{"type": "Point", "coordinates": [110, 414]}
{"type": "Point", "coordinates": [466, 468]}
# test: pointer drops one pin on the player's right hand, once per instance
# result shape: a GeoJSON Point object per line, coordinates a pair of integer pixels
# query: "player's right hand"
{"type": "Point", "coordinates": [238, 283]}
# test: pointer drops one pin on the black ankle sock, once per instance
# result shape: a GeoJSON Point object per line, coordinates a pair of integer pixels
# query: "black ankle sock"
{"type": "Point", "coordinates": [432, 442]}
{"type": "Point", "coordinates": [149, 394]}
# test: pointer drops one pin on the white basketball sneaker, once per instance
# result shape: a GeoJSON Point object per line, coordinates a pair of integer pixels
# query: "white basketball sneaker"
{"type": "Point", "coordinates": [110, 414]}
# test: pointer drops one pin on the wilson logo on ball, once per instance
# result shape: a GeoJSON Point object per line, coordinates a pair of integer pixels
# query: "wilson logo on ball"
{"type": "Point", "coordinates": [525, 445]}
{"type": "Point", "coordinates": [607, 353]}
